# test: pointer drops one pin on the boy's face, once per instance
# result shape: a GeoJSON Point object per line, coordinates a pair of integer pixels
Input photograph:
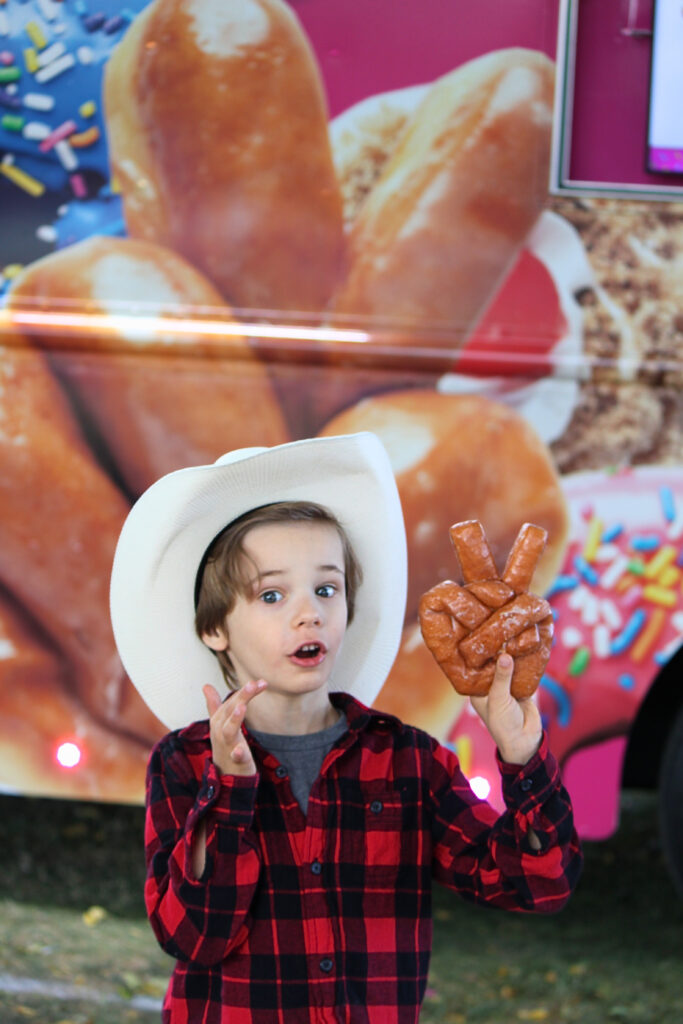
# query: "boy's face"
{"type": "Point", "coordinates": [289, 626]}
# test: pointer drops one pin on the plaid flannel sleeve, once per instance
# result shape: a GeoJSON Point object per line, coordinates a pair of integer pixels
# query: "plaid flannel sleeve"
{"type": "Point", "coordinates": [199, 920]}
{"type": "Point", "coordinates": [487, 857]}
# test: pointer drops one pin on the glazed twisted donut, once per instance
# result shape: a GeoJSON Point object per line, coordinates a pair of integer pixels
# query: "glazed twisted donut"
{"type": "Point", "coordinates": [467, 627]}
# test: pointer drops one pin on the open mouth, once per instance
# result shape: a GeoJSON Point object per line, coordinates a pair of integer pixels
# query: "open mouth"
{"type": "Point", "coordinates": [309, 654]}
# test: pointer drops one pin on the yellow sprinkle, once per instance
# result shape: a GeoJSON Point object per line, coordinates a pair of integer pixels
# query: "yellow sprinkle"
{"type": "Point", "coordinates": [649, 634]}
{"type": "Point", "coordinates": [36, 35]}
{"type": "Point", "coordinates": [88, 109]}
{"type": "Point", "coordinates": [31, 60]}
{"type": "Point", "coordinates": [463, 748]}
{"type": "Point", "coordinates": [595, 531]}
{"type": "Point", "coordinates": [659, 595]}
{"type": "Point", "coordinates": [664, 557]}
{"type": "Point", "coordinates": [115, 185]}
{"type": "Point", "coordinates": [22, 179]}
{"type": "Point", "coordinates": [668, 576]}
{"type": "Point", "coordinates": [12, 270]}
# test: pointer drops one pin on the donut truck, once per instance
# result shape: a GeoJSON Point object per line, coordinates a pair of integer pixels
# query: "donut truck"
{"type": "Point", "coordinates": [227, 223]}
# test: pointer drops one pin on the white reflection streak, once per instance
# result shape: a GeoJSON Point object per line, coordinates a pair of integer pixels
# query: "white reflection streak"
{"type": "Point", "coordinates": [172, 325]}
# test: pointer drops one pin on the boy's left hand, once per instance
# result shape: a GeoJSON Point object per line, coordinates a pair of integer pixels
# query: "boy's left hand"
{"type": "Point", "coordinates": [515, 725]}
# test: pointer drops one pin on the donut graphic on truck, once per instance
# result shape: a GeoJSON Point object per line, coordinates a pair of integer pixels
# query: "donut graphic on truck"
{"type": "Point", "coordinates": [361, 238]}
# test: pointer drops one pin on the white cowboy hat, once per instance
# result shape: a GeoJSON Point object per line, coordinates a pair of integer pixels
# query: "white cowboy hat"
{"type": "Point", "coordinates": [169, 528]}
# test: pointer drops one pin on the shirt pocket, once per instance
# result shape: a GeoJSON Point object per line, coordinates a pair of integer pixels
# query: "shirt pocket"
{"type": "Point", "coordinates": [383, 832]}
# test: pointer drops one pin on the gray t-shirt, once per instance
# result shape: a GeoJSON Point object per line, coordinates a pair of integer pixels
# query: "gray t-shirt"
{"type": "Point", "coordinates": [302, 756]}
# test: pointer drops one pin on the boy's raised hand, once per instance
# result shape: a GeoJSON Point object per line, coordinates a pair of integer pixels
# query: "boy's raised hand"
{"type": "Point", "coordinates": [229, 749]}
{"type": "Point", "coordinates": [515, 725]}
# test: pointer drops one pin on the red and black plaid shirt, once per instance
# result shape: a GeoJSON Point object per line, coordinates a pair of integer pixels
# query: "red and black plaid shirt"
{"type": "Point", "coordinates": [327, 917]}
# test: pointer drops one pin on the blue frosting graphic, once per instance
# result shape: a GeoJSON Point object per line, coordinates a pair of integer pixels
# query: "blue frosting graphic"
{"type": "Point", "coordinates": [52, 57]}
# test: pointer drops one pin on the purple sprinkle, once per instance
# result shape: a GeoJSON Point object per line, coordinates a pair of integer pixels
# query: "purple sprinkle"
{"type": "Point", "coordinates": [7, 100]}
{"type": "Point", "coordinates": [94, 21]}
{"type": "Point", "coordinates": [114, 24]}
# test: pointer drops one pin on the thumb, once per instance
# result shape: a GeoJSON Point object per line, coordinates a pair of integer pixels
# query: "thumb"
{"type": "Point", "coordinates": [502, 677]}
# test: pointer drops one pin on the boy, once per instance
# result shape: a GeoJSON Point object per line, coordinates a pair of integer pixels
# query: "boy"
{"type": "Point", "coordinates": [292, 838]}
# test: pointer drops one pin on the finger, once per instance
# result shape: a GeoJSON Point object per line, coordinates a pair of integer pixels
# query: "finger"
{"type": "Point", "coordinates": [499, 694]}
{"type": "Point", "coordinates": [236, 705]}
{"type": "Point", "coordinates": [240, 754]}
{"type": "Point", "coordinates": [473, 551]}
{"type": "Point", "coordinates": [212, 698]}
{"type": "Point", "coordinates": [524, 555]}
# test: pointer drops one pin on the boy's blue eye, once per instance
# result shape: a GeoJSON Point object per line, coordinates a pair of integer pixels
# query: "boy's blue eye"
{"type": "Point", "coordinates": [326, 590]}
{"type": "Point", "coordinates": [270, 596]}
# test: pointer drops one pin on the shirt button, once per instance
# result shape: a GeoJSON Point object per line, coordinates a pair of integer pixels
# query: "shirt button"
{"type": "Point", "coordinates": [316, 867]}
{"type": "Point", "coordinates": [376, 806]}
{"type": "Point", "coordinates": [525, 785]}
{"type": "Point", "coordinates": [326, 965]}
{"type": "Point", "coordinates": [281, 771]}
{"type": "Point", "coordinates": [210, 792]}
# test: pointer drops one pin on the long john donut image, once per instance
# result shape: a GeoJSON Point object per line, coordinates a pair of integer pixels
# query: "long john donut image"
{"type": "Point", "coordinates": [466, 627]}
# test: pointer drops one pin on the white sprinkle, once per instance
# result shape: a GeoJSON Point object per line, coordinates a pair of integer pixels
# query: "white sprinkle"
{"type": "Point", "coordinates": [675, 529]}
{"type": "Point", "coordinates": [4, 24]}
{"type": "Point", "coordinates": [577, 597]}
{"type": "Point", "coordinates": [38, 101]}
{"type": "Point", "coordinates": [670, 649]}
{"type": "Point", "coordinates": [56, 68]}
{"type": "Point", "coordinates": [606, 552]}
{"type": "Point", "coordinates": [590, 612]}
{"type": "Point", "coordinates": [36, 131]}
{"type": "Point", "coordinates": [53, 52]}
{"type": "Point", "coordinates": [48, 9]}
{"type": "Point", "coordinates": [677, 621]}
{"type": "Point", "coordinates": [67, 157]}
{"type": "Point", "coordinates": [614, 572]}
{"type": "Point", "coordinates": [610, 614]}
{"type": "Point", "coordinates": [85, 54]}
{"type": "Point", "coordinates": [571, 637]}
{"type": "Point", "coordinates": [8, 159]}
{"type": "Point", "coordinates": [601, 640]}
{"type": "Point", "coordinates": [47, 233]}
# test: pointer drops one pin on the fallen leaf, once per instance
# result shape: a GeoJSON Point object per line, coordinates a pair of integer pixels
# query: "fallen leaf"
{"type": "Point", "coordinates": [539, 1013]}
{"type": "Point", "coordinates": [577, 969]}
{"type": "Point", "coordinates": [93, 915]}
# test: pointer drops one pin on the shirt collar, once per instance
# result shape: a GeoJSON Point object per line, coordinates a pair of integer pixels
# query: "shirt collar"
{"type": "Point", "coordinates": [359, 716]}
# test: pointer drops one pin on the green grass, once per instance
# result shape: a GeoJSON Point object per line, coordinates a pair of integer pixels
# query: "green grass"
{"type": "Point", "coordinates": [614, 954]}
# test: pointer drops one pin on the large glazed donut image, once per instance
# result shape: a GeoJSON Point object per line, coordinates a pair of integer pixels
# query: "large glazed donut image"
{"type": "Point", "coordinates": [61, 517]}
{"type": "Point", "coordinates": [217, 127]}
{"type": "Point", "coordinates": [459, 457]}
{"type": "Point", "coordinates": [442, 185]}
{"type": "Point", "coordinates": [467, 627]}
{"type": "Point", "coordinates": [156, 403]}
{"type": "Point", "coordinates": [464, 185]}
{"type": "Point", "coordinates": [49, 743]}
